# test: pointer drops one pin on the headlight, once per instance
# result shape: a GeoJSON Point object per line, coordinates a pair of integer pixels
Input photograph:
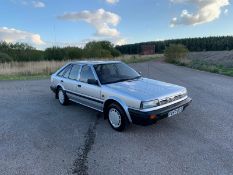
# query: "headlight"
{"type": "Point", "coordinates": [149, 104]}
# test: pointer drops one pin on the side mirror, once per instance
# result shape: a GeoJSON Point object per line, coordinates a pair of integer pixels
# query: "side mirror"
{"type": "Point", "coordinates": [140, 73]}
{"type": "Point", "coordinates": [92, 81]}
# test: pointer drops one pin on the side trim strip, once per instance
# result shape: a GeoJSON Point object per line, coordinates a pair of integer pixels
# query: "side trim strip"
{"type": "Point", "coordinates": [89, 98]}
{"type": "Point", "coordinates": [86, 105]}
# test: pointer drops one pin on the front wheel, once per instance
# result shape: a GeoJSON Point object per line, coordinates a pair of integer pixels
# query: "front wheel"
{"type": "Point", "coordinates": [62, 97]}
{"type": "Point", "coordinates": [117, 117]}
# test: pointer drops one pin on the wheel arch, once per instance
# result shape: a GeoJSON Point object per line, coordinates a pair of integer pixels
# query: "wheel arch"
{"type": "Point", "coordinates": [118, 101]}
{"type": "Point", "coordinates": [57, 87]}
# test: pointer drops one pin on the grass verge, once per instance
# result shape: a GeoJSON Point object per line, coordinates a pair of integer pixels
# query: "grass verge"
{"type": "Point", "coordinates": [204, 66]}
{"type": "Point", "coordinates": [139, 59]}
{"type": "Point", "coordinates": [23, 77]}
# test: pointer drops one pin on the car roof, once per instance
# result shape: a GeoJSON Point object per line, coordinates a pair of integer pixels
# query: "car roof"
{"type": "Point", "coordinates": [95, 62]}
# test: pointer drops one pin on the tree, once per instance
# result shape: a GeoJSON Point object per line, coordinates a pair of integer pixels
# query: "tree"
{"type": "Point", "coordinates": [100, 49]}
{"type": "Point", "coordinates": [218, 43]}
{"type": "Point", "coordinates": [54, 53]}
{"type": "Point", "coordinates": [73, 53]}
{"type": "Point", "coordinates": [175, 53]}
{"type": "Point", "coordinates": [4, 57]}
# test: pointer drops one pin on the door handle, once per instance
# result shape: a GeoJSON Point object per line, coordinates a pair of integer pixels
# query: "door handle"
{"type": "Point", "coordinates": [62, 81]}
{"type": "Point", "coordinates": [79, 86]}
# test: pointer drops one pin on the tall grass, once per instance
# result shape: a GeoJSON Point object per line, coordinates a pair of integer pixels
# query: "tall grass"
{"type": "Point", "coordinates": [30, 68]}
{"type": "Point", "coordinates": [48, 67]}
{"type": "Point", "coordinates": [41, 69]}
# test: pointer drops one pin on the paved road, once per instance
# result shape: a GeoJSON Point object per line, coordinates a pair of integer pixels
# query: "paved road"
{"type": "Point", "coordinates": [38, 136]}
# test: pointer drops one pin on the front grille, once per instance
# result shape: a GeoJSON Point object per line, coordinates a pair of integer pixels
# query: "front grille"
{"type": "Point", "coordinates": [171, 99]}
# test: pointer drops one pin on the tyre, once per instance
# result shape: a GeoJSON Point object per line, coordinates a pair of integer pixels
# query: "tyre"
{"type": "Point", "coordinates": [117, 117]}
{"type": "Point", "coordinates": [62, 97]}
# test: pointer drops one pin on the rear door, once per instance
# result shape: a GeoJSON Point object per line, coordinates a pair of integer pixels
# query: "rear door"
{"type": "Point", "coordinates": [63, 76]}
{"type": "Point", "coordinates": [89, 94]}
{"type": "Point", "coordinates": [71, 82]}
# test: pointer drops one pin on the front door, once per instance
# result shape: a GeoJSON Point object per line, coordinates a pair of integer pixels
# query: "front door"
{"type": "Point", "coordinates": [89, 94]}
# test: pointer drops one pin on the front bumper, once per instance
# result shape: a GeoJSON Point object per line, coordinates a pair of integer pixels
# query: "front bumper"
{"type": "Point", "coordinates": [151, 117]}
{"type": "Point", "coordinates": [53, 89]}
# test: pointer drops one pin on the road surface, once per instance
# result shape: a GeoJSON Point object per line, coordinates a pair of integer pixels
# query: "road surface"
{"type": "Point", "coordinates": [39, 136]}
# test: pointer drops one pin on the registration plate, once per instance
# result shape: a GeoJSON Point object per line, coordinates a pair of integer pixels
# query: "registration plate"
{"type": "Point", "coordinates": [175, 111]}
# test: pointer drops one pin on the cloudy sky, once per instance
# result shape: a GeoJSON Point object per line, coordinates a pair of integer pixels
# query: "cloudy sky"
{"type": "Point", "coordinates": [44, 23]}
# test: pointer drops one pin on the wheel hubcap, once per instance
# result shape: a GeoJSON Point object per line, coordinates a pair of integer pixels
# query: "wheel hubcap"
{"type": "Point", "coordinates": [114, 118]}
{"type": "Point", "coordinates": [61, 97]}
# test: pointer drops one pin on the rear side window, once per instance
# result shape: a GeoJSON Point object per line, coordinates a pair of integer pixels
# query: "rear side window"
{"type": "Point", "coordinates": [61, 73]}
{"type": "Point", "coordinates": [74, 72]}
{"type": "Point", "coordinates": [67, 73]}
{"type": "Point", "coordinates": [86, 74]}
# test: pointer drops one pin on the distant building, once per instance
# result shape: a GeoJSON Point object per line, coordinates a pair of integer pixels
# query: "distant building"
{"type": "Point", "coordinates": [147, 49]}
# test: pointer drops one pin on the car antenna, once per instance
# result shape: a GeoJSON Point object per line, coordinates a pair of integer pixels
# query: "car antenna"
{"type": "Point", "coordinates": [54, 33]}
{"type": "Point", "coordinates": [148, 69]}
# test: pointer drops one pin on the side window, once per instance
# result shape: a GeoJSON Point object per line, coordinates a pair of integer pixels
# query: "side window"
{"type": "Point", "coordinates": [86, 74]}
{"type": "Point", "coordinates": [74, 72]}
{"type": "Point", "coordinates": [67, 73]}
{"type": "Point", "coordinates": [61, 73]}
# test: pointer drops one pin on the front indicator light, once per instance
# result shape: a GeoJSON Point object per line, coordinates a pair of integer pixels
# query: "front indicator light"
{"type": "Point", "coordinates": [153, 117]}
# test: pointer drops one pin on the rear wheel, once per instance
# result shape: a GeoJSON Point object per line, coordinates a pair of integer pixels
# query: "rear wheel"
{"type": "Point", "coordinates": [62, 97]}
{"type": "Point", "coordinates": [116, 117]}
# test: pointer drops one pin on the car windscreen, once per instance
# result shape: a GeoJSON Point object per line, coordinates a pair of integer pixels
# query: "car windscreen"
{"type": "Point", "coordinates": [115, 72]}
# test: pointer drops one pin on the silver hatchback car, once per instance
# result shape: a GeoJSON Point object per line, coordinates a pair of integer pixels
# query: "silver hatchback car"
{"type": "Point", "coordinates": [117, 90]}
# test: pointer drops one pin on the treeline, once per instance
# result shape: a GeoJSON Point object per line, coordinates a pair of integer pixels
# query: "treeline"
{"type": "Point", "coordinates": [24, 52]}
{"type": "Point", "coordinates": [19, 52]}
{"type": "Point", "coordinates": [193, 44]}
{"type": "Point", "coordinates": [105, 49]}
